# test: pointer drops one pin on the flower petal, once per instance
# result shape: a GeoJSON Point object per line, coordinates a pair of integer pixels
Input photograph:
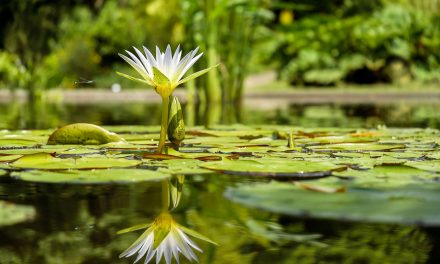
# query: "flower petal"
{"type": "Point", "coordinates": [150, 57]}
{"type": "Point", "coordinates": [145, 62]}
{"type": "Point", "coordinates": [167, 61]}
{"type": "Point", "coordinates": [187, 66]}
{"type": "Point", "coordinates": [139, 68]}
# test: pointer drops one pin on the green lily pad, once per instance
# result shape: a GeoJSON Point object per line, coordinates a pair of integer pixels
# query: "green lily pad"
{"type": "Point", "coordinates": [49, 162]}
{"type": "Point", "coordinates": [409, 205]}
{"type": "Point", "coordinates": [83, 134]}
{"type": "Point", "coordinates": [356, 147]}
{"type": "Point", "coordinates": [8, 158]}
{"type": "Point", "coordinates": [181, 166]}
{"type": "Point", "coordinates": [91, 176]}
{"type": "Point", "coordinates": [393, 175]}
{"type": "Point", "coordinates": [273, 167]}
{"type": "Point", "coordinates": [429, 165]}
{"type": "Point", "coordinates": [11, 214]}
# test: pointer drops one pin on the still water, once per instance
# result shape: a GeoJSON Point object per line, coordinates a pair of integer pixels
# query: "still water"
{"type": "Point", "coordinates": [79, 223]}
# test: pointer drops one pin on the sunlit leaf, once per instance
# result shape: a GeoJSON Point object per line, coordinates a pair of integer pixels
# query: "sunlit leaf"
{"type": "Point", "coordinates": [90, 176]}
{"type": "Point", "coordinates": [273, 167]}
{"type": "Point", "coordinates": [47, 161]}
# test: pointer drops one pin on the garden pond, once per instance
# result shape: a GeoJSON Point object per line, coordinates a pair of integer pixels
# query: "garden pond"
{"type": "Point", "coordinates": [238, 194]}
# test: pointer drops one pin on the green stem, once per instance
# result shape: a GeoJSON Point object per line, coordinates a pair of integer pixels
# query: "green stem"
{"type": "Point", "coordinates": [165, 195]}
{"type": "Point", "coordinates": [164, 124]}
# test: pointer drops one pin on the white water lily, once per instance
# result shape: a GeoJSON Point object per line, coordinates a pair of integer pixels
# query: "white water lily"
{"type": "Point", "coordinates": [164, 237]}
{"type": "Point", "coordinates": [165, 71]}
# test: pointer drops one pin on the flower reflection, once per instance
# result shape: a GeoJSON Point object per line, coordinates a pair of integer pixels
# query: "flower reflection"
{"type": "Point", "coordinates": [165, 238]}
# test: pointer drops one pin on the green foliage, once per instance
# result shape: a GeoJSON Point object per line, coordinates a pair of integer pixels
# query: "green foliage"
{"type": "Point", "coordinates": [394, 43]}
{"type": "Point", "coordinates": [13, 74]}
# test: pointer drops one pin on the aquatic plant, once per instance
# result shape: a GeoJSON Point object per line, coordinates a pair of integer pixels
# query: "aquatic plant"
{"type": "Point", "coordinates": [164, 73]}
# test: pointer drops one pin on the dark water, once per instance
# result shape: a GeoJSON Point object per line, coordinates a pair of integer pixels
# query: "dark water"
{"type": "Point", "coordinates": [78, 224]}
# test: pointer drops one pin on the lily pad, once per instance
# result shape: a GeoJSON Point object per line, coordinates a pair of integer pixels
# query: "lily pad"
{"type": "Point", "coordinates": [278, 167]}
{"type": "Point", "coordinates": [8, 158]}
{"type": "Point", "coordinates": [409, 205]}
{"type": "Point", "coordinates": [356, 147]}
{"type": "Point", "coordinates": [393, 175]}
{"type": "Point", "coordinates": [11, 214]}
{"type": "Point", "coordinates": [91, 176]}
{"type": "Point", "coordinates": [182, 166]}
{"type": "Point", "coordinates": [49, 162]}
{"type": "Point", "coordinates": [429, 165]}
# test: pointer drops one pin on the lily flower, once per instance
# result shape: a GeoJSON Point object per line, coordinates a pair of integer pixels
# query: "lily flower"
{"type": "Point", "coordinates": [164, 237]}
{"type": "Point", "coordinates": [163, 72]}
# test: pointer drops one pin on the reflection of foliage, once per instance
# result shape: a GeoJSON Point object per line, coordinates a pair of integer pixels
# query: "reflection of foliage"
{"type": "Point", "coordinates": [359, 243]}
{"type": "Point", "coordinates": [11, 214]}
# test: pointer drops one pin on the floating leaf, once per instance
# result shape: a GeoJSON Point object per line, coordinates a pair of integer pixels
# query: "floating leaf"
{"type": "Point", "coordinates": [8, 158]}
{"type": "Point", "coordinates": [273, 167]}
{"type": "Point", "coordinates": [410, 205]}
{"type": "Point", "coordinates": [181, 166]}
{"type": "Point", "coordinates": [429, 165]}
{"type": "Point", "coordinates": [356, 147]}
{"type": "Point", "coordinates": [90, 176]}
{"type": "Point", "coordinates": [49, 162]}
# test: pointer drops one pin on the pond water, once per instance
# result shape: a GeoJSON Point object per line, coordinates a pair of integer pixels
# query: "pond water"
{"type": "Point", "coordinates": [79, 223]}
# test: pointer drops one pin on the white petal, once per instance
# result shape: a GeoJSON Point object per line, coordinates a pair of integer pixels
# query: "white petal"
{"type": "Point", "coordinates": [147, 245]}
{"type": "Point", "coordinates": [167, 61]}
{"type": "Point", "coordinates": [189, 241]}
{"type": "Point", "coordinates": [168, 250]}
{"type": "Point", "coordinates": [150, 254]}
{"type": "Point", "coordinates": [159, 59]}
{"type": "Point", "coordinates": [146, 63]}
{"type": "Point", "coordinates": [150, 57]}
{"type": "Point", "coordinates": [175, 60]}
{"type": "Point", "coordinates": [159, 252]}
{"type": "Point", "coordinates": [139, 69]}
{"type": "Point", "coordinates": [191, 63]}
{"type": "Point", "coordinates": [135, 59]}
{"type": "Point", "coordinates": [180, 67]}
